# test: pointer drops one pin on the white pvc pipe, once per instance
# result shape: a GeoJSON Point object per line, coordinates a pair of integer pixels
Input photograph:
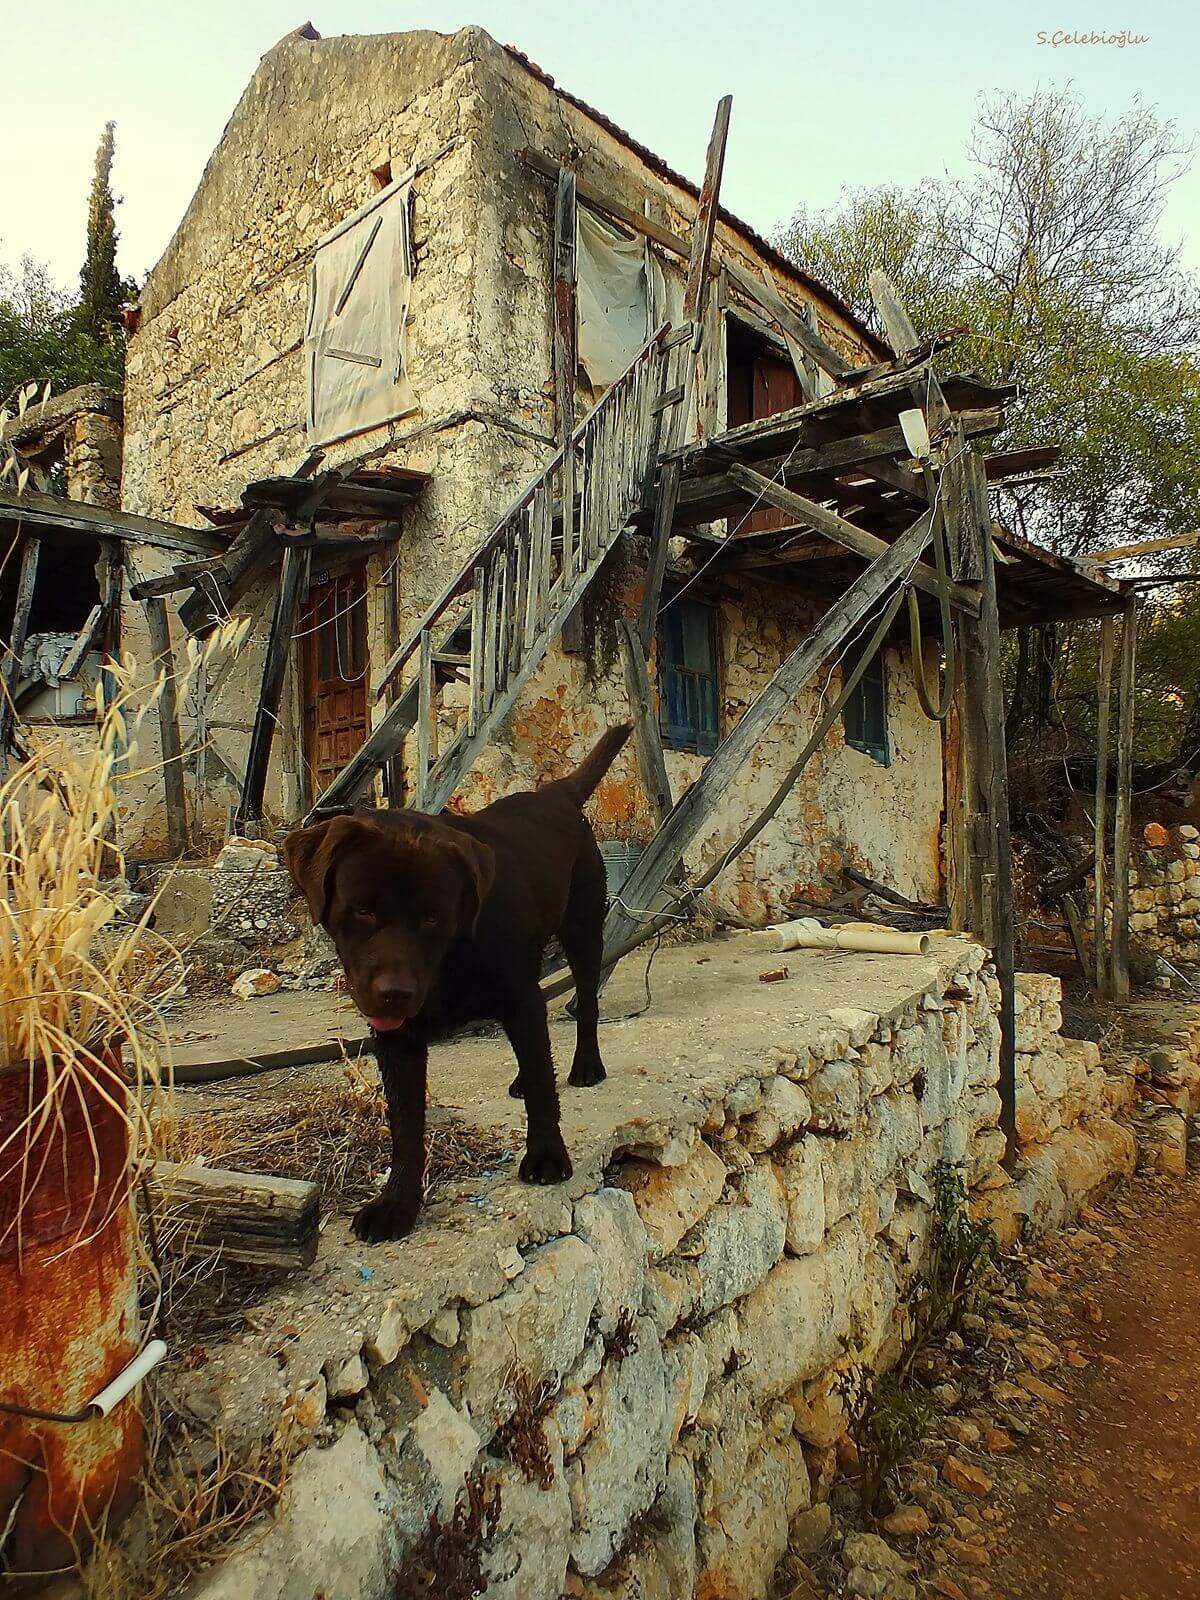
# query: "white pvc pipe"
{"type": "Point", "coordinates": [125, 1381]}
{"type": "Point", "coordinates": [809, 934]}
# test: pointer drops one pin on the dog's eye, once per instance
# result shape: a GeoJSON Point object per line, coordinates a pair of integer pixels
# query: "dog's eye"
{"type": "Point", "coordinates": [365, 915]}
{"type": "Point", "coordinates": [429, 920]}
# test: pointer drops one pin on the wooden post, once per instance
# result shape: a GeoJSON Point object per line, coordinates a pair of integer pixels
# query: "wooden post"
{"type": "Point", "coordinates": [652, 765]}
{"type": "Point", "coordinates": [283, 623]}
{"type": "Point", "coordinates": [565, 354]}
{"type": "Point", "coordinates": [1099, 944]}
{"type": "Point", "coordinates": [10, 671]}
{"type": "Point", "coordinates": [693, 312]}
{"type": "Point", "coordinates": [988, 831]}
{"type": "Point", "coordinates": [168, 724]}
{"type": "Point", "coordinates": [1123, 816]}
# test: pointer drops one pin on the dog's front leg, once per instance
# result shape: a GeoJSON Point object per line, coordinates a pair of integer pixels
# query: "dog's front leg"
{"type": "Point", "coordinates": [402, 1064]}
{"type": "Point", "coordinates": [546, 1159]}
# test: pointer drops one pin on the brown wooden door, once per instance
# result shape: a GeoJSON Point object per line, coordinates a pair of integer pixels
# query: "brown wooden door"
{"type": "Point", "coordinates": [761, 383]}
{"type": "Point", "coordinates": [334, 635]}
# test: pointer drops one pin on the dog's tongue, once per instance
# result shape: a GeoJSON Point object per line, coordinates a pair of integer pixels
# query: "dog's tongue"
{"type": "Point", "coordinates": [386, 1024]}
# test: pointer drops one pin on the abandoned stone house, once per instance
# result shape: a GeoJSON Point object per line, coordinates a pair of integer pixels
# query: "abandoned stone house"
{"type": "Point", "coordinates": [369, 270]}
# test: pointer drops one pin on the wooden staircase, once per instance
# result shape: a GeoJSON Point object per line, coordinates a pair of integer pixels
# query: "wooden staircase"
{"type": "Point", "coordinates": [490, 627]}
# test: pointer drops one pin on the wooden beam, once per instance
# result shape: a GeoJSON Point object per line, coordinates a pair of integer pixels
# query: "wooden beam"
{"type": "Point", "coordinates": [78, 516]}
{"type": "Point", "coordinates": [10, 670]}
{"type": "Point", "coordinates": [846, 534]}
{"type": "Point", "coordinates": [243, 1217]}
{"type": "Point", "coordinates": [704, 227]}
{"type": "Point", "coordinates": [217, 589]}
{"type": "Point", "coordinates": [647, 739]}
{"type": "Point", "coordinates": [1100, 847]}
{"type": "Point", "coordinates": [599, 201]}
{"type": "Point", "coordinates": [671, 469]}
{"type": "Point", "coordinates": [566, 272]}
{"type": "Point", "coordinates": [793, 326]}
{"type": "Point", "coordinates": [694, 809]}
{"type": "Point", "coordinates": [184, 576]}
{"type": "Point", "coordinates": [266, 718]}
{"type": "Point", "coordinates": [897, 324]}
{"type": "Point", "coordinates": [168, 726]}
{"type": "Point", "coordinates": [1123, 816]}
{"type": "Point", "coordinates": [1144, 547]}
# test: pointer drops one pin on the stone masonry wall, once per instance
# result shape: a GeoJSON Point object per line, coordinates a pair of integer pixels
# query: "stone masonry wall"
{"type": "Point", "coordinates": [669, 1349]}
{"type": "Point", "coordinates": [1164, 884]}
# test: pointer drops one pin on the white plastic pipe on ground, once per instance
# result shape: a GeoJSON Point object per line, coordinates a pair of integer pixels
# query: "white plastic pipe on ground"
{"type": "Point", "coordinates": [809, 934]}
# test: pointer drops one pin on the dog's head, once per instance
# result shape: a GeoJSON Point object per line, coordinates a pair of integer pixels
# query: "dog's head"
{"type": "Point", "coordinates": [392, 901]}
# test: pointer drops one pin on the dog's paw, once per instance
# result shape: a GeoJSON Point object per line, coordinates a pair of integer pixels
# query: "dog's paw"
{"type": "Point", "coordinates": [546, 1163]}
{"type": "Point", "coordinates": [385, 1218]}
{"type": "Point", "coordinates": [587, 1072]}
{"type": "Point", "coordinates": [516, 1088]}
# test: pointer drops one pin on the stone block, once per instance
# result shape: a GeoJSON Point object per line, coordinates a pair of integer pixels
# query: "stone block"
{"type": "Point", "coordinates": [739, 1241]}
{"type": "Point", "coordinates": [621, 1469]}
{"type": "Point", "coordinates": [785, 1109]}
{"type": "Point", "coordinates": [845, 1169]}
{"type": "Point", "coordinates": [796, 1321]}
{"type": "Point", "coordinates": [541, 1323]}
{"type": "Point", "coordinates": [743, 1535]}
{"type": "Point", "coordinates": [802, 1175]}
{"type": "Point", "coordinates": [527, 1557]}
{"type": "Point", "coordinates": [608, 1223]}
{"type": "Point", "coordinates": [671, 1200]}
{"type": "Point", "coordinates": [306, 1550]}
{"type": "Point", "coordinates": [836, 1094]}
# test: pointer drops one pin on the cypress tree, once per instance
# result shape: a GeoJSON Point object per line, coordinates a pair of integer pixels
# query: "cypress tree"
{"type": "Point", "coordinates": [100, 288]}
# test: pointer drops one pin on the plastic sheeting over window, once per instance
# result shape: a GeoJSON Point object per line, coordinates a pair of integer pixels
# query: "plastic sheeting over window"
{"type": "Point", "coordinates": [359, 289]}
{"type": "Point", "coordinates": [618, 306]}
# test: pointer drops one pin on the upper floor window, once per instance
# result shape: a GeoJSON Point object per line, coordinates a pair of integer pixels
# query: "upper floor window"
{"type": "Point", "coordinates": [689, 675]}
{"type": "Point", "coordinates": [358, 299]}
{"type": "Point", "coordinates": [864, 716]}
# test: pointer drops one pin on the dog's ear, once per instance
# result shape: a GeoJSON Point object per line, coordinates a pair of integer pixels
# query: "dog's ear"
{"type": "Point", "coordinates": [479, 861]}
{"type": "Point", "coordinates": [309, 855]}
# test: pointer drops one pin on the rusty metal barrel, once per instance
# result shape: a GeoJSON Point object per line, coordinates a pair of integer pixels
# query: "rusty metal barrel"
{"type": "Point", "coordinates": [68, 1312]}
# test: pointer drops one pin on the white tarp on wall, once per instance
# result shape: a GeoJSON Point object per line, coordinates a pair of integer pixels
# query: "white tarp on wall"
{"type": "Point", "coordinates": [617, 309]}
{"type": "Point", "coordinates": [359, 288]}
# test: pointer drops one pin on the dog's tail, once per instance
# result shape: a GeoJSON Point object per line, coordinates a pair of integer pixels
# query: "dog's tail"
{"type": "Point", "coordinates": [581, 783]}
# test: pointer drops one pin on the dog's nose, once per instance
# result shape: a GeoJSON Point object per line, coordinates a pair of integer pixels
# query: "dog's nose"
{"type": "Point", "coordinates": [394, 992]}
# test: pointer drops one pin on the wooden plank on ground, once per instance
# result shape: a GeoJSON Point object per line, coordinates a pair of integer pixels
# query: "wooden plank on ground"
{"type": "Point", "coordinates": [244, 1217]}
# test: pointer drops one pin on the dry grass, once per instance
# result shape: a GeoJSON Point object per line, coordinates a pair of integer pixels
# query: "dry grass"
{"type": "Point", "coordinates": [80, 992]}
{"type": "Point", "coordinates": [335, 1135]}
{"type": "Point", "coordinates": [197, 1499]}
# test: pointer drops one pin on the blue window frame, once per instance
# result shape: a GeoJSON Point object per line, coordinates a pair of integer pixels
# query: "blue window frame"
{"type": "Point", "coordinates": [864, 716]}
{"type": "Point", "coordinates": [689, 675]}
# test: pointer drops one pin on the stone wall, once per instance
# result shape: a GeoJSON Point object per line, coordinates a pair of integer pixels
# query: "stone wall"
{"type": "Point", "coordinates": [648, 1378]}
{"type": "Point", "coordinates": [1164, 892]}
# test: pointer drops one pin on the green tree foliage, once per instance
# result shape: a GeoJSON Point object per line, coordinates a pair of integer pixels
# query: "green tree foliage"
{"type": "Point", "coordinates": [1049, 251]}
{"type": "Point", "coordinates": [101, 292]}
{"type": "Point", "coordinates": [41, 338]}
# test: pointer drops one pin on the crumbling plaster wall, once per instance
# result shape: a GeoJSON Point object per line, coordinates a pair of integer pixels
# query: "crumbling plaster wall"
{"type": "Point", "coordinates": [745, 1237]}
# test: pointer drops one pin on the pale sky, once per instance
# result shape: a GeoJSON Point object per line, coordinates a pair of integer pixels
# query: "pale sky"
{"type": "Point", "coordinates": [824, 97]}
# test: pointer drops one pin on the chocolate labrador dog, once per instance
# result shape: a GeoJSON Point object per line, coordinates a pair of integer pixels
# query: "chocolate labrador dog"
{"type": "Point", "coordinates": [441, 921]}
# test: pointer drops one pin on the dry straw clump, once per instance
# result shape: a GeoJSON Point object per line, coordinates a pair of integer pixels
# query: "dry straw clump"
{"type": "Point", "coordinates": [79, 989]}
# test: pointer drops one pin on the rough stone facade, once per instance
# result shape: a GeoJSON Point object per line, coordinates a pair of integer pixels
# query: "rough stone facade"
{"type": "Point", "coordinates": [1164, 892]}
{"type": "Point", "coordinates": [682, 1321]}
{"type": "Point", "coordinates": [215, 398]}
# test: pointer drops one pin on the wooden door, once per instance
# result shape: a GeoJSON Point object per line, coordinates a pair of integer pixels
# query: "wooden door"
{"type": "Point", "coordinates": [760, 383]}
{"type": "Point", "coordinates": [334, 636]}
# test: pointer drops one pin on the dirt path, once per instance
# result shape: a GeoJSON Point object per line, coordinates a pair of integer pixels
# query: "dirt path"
{"type": "Point", "coordinates": [1106, 1492]}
